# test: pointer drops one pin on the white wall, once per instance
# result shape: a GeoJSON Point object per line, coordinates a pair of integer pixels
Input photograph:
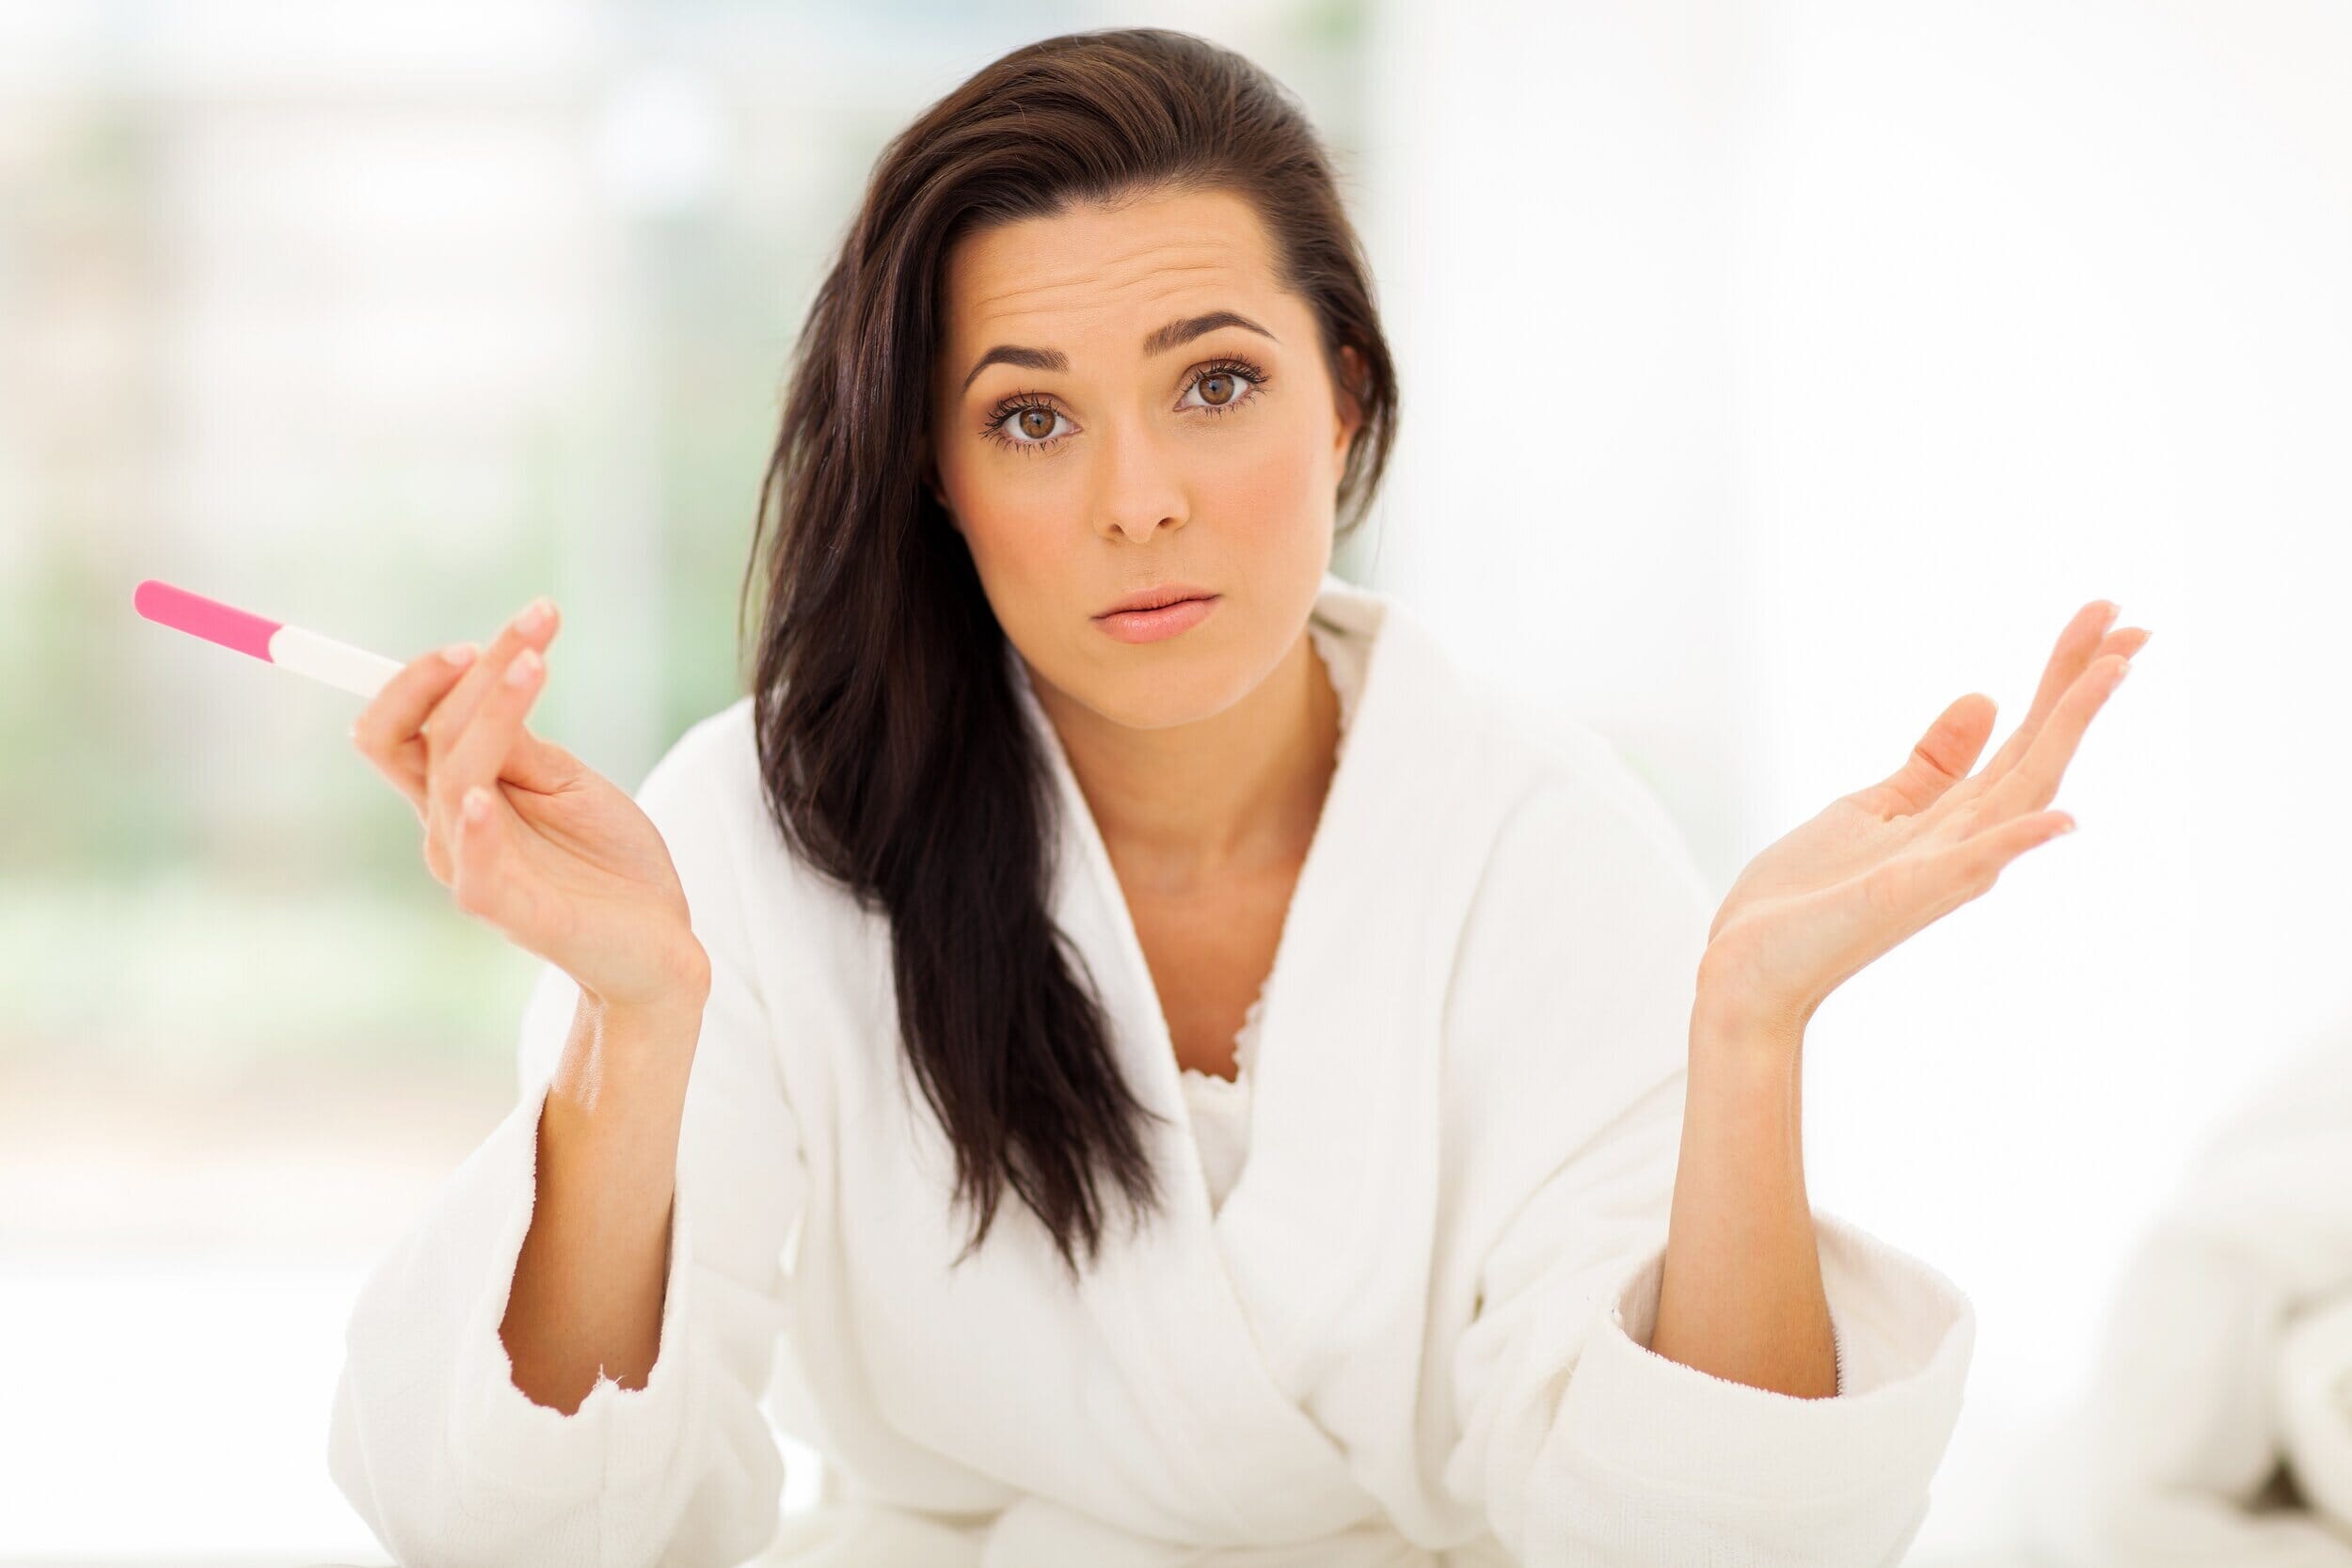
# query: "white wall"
{"type": "Point", "coordinates": [1547, 208]}
{"type": "Point", "coordinates": [1780, 370]}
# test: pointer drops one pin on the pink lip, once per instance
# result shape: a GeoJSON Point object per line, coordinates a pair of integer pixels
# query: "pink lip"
{"type": "Point", "coordinates": [1149, 625]}
{"type": "Point", "coordinates": [1152, 599]}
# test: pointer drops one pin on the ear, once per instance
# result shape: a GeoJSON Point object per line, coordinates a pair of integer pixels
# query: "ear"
{"type": "Point", "coordinates": [948, 511]}
{"type": "Point", "coordinates": [1349, 398]}
{"type": "Point", "coordinates": [929, 468]}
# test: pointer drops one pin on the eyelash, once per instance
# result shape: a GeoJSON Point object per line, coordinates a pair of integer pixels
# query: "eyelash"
{"type": "Point", "coordinates": [1022, 401]}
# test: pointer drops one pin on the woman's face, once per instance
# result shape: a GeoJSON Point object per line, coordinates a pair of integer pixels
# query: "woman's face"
{"type": "Point", "coordinates": [1123, 442]}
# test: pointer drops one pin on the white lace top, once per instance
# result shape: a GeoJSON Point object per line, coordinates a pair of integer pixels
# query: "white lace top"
{"type": "Point", "coordinates": [1221, 1106]}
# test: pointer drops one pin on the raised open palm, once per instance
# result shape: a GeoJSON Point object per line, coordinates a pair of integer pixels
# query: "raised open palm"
{"type": "Point", "coordinates": [1879, 865]}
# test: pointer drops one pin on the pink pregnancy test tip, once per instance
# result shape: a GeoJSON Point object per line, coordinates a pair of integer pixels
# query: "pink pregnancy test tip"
{"type": "Point", "coordinates": [206, 618]}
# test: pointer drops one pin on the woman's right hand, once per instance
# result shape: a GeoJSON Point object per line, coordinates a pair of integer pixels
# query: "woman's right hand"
{"type": "Point", "coordinates": [562, 864]}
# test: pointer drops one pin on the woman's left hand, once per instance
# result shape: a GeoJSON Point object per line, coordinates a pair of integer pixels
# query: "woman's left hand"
{"type": "Point", "coordinates": [1881, 863]}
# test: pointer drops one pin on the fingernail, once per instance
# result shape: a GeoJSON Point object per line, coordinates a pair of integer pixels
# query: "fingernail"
{"type": "Point", "coordinates": [477, 804]}
{"type": "Point", "coordinates": [525, 666]}
{"type": "Point", "coordinates": [461, 654]}
{"type": "Point", "coordinates": [534, 614]}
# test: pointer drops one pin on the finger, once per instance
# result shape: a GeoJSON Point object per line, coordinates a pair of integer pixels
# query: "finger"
{"type": "Point", "coordinates": [450, 719]}
{"type": "Point", "coordinates": [2033, 783]}
{"type": "Point", "coordinates": [2124, 641]}
{"type": "Point", "coordinates": [539, 765]}
{"type": "Point", "coordinates": [488, 880]}
{"type": "Point", "coordinates": [1904, 895]}
{"type": "Point", "coordinates": [2077, 645]}
{"type": "Point", "coordinates": [534, 764]}
{"type": "Point", "coordinates": [385, 731]}
{"type": "Point", "coordinates": [1941, 759]}
{"type": "Point", "coordinates": [1965, 870]}
{"type": "Point", "coordinates": [476, 757]}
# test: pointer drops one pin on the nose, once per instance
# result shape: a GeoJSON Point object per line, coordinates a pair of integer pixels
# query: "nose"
{"type": "Point", "coordinates": [1139, 488]}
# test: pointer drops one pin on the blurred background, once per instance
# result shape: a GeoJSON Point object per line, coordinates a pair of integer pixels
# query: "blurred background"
{"type": "Point", "coordinates": [1774, 371]}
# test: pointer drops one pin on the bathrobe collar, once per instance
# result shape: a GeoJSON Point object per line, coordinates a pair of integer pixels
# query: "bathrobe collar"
{"type": "Point", "coordinates": [1245, 1308]}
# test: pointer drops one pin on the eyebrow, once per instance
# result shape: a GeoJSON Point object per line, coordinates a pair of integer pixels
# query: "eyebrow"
{"type": "Point", "coordinates": [1174, 334]}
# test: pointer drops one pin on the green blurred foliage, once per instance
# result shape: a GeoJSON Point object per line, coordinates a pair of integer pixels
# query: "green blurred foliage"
{"type": "Point", "coordinates": [196, 872]}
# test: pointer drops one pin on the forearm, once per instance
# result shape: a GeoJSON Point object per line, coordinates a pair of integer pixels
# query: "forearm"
{"type": "Point", "coordinates": [588, 1287]}
{"type": "Point", "coordinates": [1740, 1294]}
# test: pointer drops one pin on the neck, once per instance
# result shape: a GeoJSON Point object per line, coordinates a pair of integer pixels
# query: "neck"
{"type": "Point", "coordinates": [1236, 792]}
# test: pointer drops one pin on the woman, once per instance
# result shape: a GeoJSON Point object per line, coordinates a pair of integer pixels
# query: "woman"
{"type": "Point", "coordinates": [1517, 1266]}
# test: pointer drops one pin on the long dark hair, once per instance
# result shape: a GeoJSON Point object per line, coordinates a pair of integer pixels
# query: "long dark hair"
{"type": "Point", "coordinates": [892, 745]}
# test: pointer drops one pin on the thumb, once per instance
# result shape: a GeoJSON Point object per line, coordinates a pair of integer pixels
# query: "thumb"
{"type": "Point", "coordinates": [1942, 757]}
{"type": "Point", "coordinates": [540, 765]}
{"type": "Point", "coordinates": [491, 881]}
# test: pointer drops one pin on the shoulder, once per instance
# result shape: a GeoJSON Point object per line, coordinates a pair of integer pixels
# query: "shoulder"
{"type": "Point", "coordinates": [1569, 798]}
{"type": "Point", "coordinates": [708, 796]}
{"type": "Point", "coordinates": [1535, 769]}
{"type": "Point", "coordinates": [704, 792]}
{"type": "Point", "coordinates": [1574, 973]}
{"type": "Point", "coordinates": [704, 796]}
{"type": "Point", "coordinates": [1583, 785]}
{"type": "Point", "coordinates": [715, 756]}
{"type": "Point", "coordinates": [1584, 852]}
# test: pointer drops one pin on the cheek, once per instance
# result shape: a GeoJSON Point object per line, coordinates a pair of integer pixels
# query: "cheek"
{"type": "Point", "coordinates": [1268, 483]}
{"type": "Point", "coordinates": [1024, 541]}
{"type": "Point", "coordinates": [990, 507]}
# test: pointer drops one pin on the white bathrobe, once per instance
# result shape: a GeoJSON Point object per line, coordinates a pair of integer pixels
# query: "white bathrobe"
{"type": "Point", "coordinates": [1414, 1333]}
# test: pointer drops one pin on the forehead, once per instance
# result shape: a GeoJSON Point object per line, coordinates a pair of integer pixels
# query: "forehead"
{"type": "Point", "coordinates": [1091, 267]}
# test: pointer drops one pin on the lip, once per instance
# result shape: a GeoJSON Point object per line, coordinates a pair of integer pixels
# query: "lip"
{"type": "Point", "coordinates": [1150, 625]}
{"type": "Point", "coordinates": [1152, 599]}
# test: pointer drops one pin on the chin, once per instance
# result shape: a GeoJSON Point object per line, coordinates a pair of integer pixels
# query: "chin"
{"type": "Point", "coordinates": [1168, 698]}
{"type": "Point", "coordinates": [1160, 709]}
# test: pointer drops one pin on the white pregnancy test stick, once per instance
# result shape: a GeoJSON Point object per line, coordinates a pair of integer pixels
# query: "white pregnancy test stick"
{"type": "Point", "coordinates": [306, 652]}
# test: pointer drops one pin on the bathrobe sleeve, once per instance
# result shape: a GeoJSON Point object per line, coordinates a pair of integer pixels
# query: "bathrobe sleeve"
{"type": "Point", "coordinates": [2224, 1357]}
{"type": "Point", "coordinates": [444, 1457]}
{"type": "Point", "coordinates": [1582, 1445]}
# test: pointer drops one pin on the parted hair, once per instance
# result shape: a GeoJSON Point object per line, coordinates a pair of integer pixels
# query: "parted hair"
{"type": "Point", "coordinates": [892, 748]}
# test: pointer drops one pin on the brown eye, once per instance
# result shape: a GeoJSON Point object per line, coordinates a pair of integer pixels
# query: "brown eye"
{"type": "Point", "coordinates": [1225, 385]}
{"type": "Point", "coordinates": [1043, 425]}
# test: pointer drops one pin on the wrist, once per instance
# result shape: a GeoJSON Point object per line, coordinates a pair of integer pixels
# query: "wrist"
{"type": "Point", "coordinates": [678, 987]}
{"type": "Point", "coordinates": [1742, 1051]}
{"type": "Point", "coordinates": [634, 1054]}
{"type": "Point", "coordinates": [1734, 1030]}
{"type": "Point", "coordinates": [1732, 1019]}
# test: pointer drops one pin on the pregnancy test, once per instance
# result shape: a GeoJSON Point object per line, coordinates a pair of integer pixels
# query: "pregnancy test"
{"type": "Point", "coordinates": [288, 646]}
